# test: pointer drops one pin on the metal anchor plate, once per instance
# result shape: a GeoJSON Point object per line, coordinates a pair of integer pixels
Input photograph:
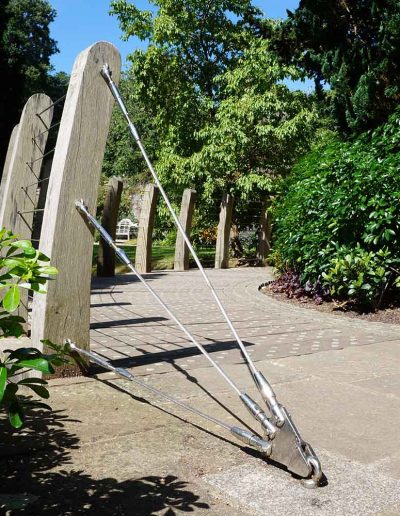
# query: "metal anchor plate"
{"type": "Point", "coordinates": [289, 449]}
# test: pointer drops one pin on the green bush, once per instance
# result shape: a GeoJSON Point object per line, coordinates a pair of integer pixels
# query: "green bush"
{"type": "Point", "coordinates": [338, 218]}
{"type": "Point", "coordinates": [22, 267]}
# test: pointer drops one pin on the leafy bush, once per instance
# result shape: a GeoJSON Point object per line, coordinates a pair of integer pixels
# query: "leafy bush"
{"type": "Point", "coordinates": [23, 267]}
{"type": "Point", "coordinates": [338, 220]}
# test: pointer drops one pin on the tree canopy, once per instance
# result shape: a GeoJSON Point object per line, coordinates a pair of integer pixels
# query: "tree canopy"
{"type": "Point", "coordinates": [221, 116]}
{"type": "Point", "coordinates": [355, 48]}
{"type": "Point", "coordinates": [25, 51]}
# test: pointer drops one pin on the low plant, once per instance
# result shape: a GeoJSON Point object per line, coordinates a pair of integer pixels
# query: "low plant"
{"type": "Point", "coordinates": [23, 267]}
{"type": "Point", "coordinates": [338, 218]}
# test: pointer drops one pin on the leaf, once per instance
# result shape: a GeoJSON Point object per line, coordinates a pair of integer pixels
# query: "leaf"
{"type": "Point", "coordinates": [22, 244]}
{"type": "Point", "coordinates": [11, 299]}
{"type": "Point", "coordinates": [47, 269]}
{"type": "Point", "coordinates": [25, 245]}
{"type": "Point", "coordinates": [22, 353]}
{"type": "Point", "coordinates": [27, 381]}
{"type": "Point", "coordinates": [39, 390]}
{"type": "Point", "coordinates": [3, 381]}
{"type": "Point", "coordinates": [37, 287]}
{"type": "Point", "coordinates": [16, 415]}
{"type": "Point", "coordinates": [38, 364]}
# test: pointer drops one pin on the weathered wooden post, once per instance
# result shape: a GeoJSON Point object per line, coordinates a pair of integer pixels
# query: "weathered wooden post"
{"type": "Point", "coordinates": [264, 235]}
{"type": "Point", "coordinates": [145, 231]}
{"type": "Point", "coordinates": [64, 312]}
{"type": "Point", "coordinates": [224, 226]}
{"type": "Point", "coordinates": [181, 262]}
{"type": "Point", "coordinates": [24, 164]}
{"type": "Point", "coordinates": [106, 256]}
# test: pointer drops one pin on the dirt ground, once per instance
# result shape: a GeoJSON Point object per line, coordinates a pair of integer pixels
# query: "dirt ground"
{"type": "Point", "coordinates": [389, 314]}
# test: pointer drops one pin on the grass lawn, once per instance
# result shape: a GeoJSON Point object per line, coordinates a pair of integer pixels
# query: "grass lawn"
{"type": "Point", "coordinates": [162, 257]}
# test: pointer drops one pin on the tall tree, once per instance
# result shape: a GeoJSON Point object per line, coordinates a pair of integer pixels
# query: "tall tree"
{"type": "Point", "coordinates": [355, 48]}
{"type": "Point", "coordinates": [222, 117]}
{"type": "Point", "coordinates": [25, 51]}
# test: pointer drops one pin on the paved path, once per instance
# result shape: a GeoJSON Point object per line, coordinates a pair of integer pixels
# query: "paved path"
{"type": "Point", "coordinates": [129, 327]}
{"type": "Point", "coordinates": [113, 448]}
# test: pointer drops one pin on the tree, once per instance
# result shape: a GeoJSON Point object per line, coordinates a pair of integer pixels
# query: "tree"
{"type": "Point", "coordinates": [25, 51]}
{"type": "Point", "coordinates": [222, 118]}
{"type": "Point", "coordinates": [260, 127]}
{"type": "Point", "coordinates": [355, 48]}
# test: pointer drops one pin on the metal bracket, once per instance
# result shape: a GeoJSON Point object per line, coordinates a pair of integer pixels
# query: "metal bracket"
{"type": "Point", "coordinates": [290, 450]}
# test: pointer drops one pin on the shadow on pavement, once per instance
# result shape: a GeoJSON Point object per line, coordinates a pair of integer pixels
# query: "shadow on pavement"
{"type": "Point", "coordinates": [126, 322]}
{"type": "Point", "coordinates": [30, 484]}
{"type": "Point", "coordinates": [170, 355]}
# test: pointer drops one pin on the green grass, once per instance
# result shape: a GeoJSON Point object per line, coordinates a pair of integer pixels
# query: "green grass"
{"type": "Point", "coordinates": [162, 257]}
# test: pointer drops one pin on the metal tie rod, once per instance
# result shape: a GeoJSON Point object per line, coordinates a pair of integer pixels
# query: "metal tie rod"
{"type": "Point", "coordinates": [106, 73]}
{"type": "Point", "coordinates": [304, 457]}
{"type": "Point", "coordinates": [60, 99]}
{"type": "Point", "coordinates": [242, 434]}
{"type": "Point", "coordinates": [262, 384]}
{"type": "Point", "coordinates": [257, 412]}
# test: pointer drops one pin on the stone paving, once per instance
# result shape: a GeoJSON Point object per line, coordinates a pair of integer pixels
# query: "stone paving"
{"type": "Point", "coordinates": [111, 447]}
{"type": "Point", "coordinates": [131, 329]}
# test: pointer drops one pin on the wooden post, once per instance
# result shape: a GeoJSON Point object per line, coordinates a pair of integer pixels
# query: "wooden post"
{"type": "Point", "coordinates": [106, 256]}
{"type": "Point", "coordinates": [264, 235]}
{"type": "Point", "coordinates": [64, 312]}
{"type": "Point", "coordinates": [24, 164]}
{"type": "Point", "coordinates": [7, 163]}
{"type": "Point", "coordinates": [181, 262]}
{"type": "Point", "coordinates": [224, 226]}
{"type": "Point", "coordinates": [145, 231]}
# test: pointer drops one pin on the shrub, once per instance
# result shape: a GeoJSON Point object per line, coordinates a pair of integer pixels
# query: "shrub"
{"type": "Point", "coordinates": [22, 267]}
{"type": "Point", "coordinates": [338, 219]}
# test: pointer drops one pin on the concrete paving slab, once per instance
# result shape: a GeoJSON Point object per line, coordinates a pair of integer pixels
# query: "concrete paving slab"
{"type": "Point", "coordinates": [353, 490]}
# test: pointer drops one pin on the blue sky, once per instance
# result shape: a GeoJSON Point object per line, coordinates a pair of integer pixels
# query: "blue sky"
{"type": "Point", "coordinates": [80, 23]}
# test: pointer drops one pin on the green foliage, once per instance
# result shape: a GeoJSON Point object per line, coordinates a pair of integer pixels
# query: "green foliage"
{"type": "Point", "coordinates": [339, 215]}
{"type": "Point", "coordinates": [354, 47]}
{"type": "Point", "coordinates": [260, 128]}
{"type": "Point", "coordinates": [23, 267]}
{"type": "Point", "coordinates": [20, 360]}
{"type": "Point", "coordinates": [221, 117]}
{"type": "Point", "coordinates": [25, 51]}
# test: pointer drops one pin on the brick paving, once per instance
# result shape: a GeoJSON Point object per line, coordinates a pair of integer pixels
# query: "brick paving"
{"type": "Point", "coordinates": [131, 329]}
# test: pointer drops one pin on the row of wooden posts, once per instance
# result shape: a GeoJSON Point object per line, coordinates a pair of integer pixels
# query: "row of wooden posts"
{"type": "Point", "coordinates": [106, 257]}
{"type": "Point", "coordinates": [34, 187]}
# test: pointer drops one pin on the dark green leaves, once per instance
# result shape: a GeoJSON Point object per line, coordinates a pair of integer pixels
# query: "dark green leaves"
{"type": "Point", "coordinates": [339, 216]}
{"type": "Point", "coordinates": [15, 415]}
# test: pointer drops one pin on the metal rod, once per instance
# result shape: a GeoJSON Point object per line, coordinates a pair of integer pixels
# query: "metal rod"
{"type": "Point", "coordinates": [29, 165]}
{"type": "Point", "coordinates": [106, 73]}
{"type": "Point", "coordinates": [42, 156]}
{"type": "Point", "coordinates": [124, 373]}
{"type": "Point", "coordinates": [35, 183]}
{"type": "Point", "coordinates": [47, 130]}
{"type": "Point", "coordinates": [30, 211]}
{"type": "Point", "coordinates": [240, 433]}
{"type": "Point", "coordinates": [124, 258]}
{"type": "Point", "coordinates": [52, 105]}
